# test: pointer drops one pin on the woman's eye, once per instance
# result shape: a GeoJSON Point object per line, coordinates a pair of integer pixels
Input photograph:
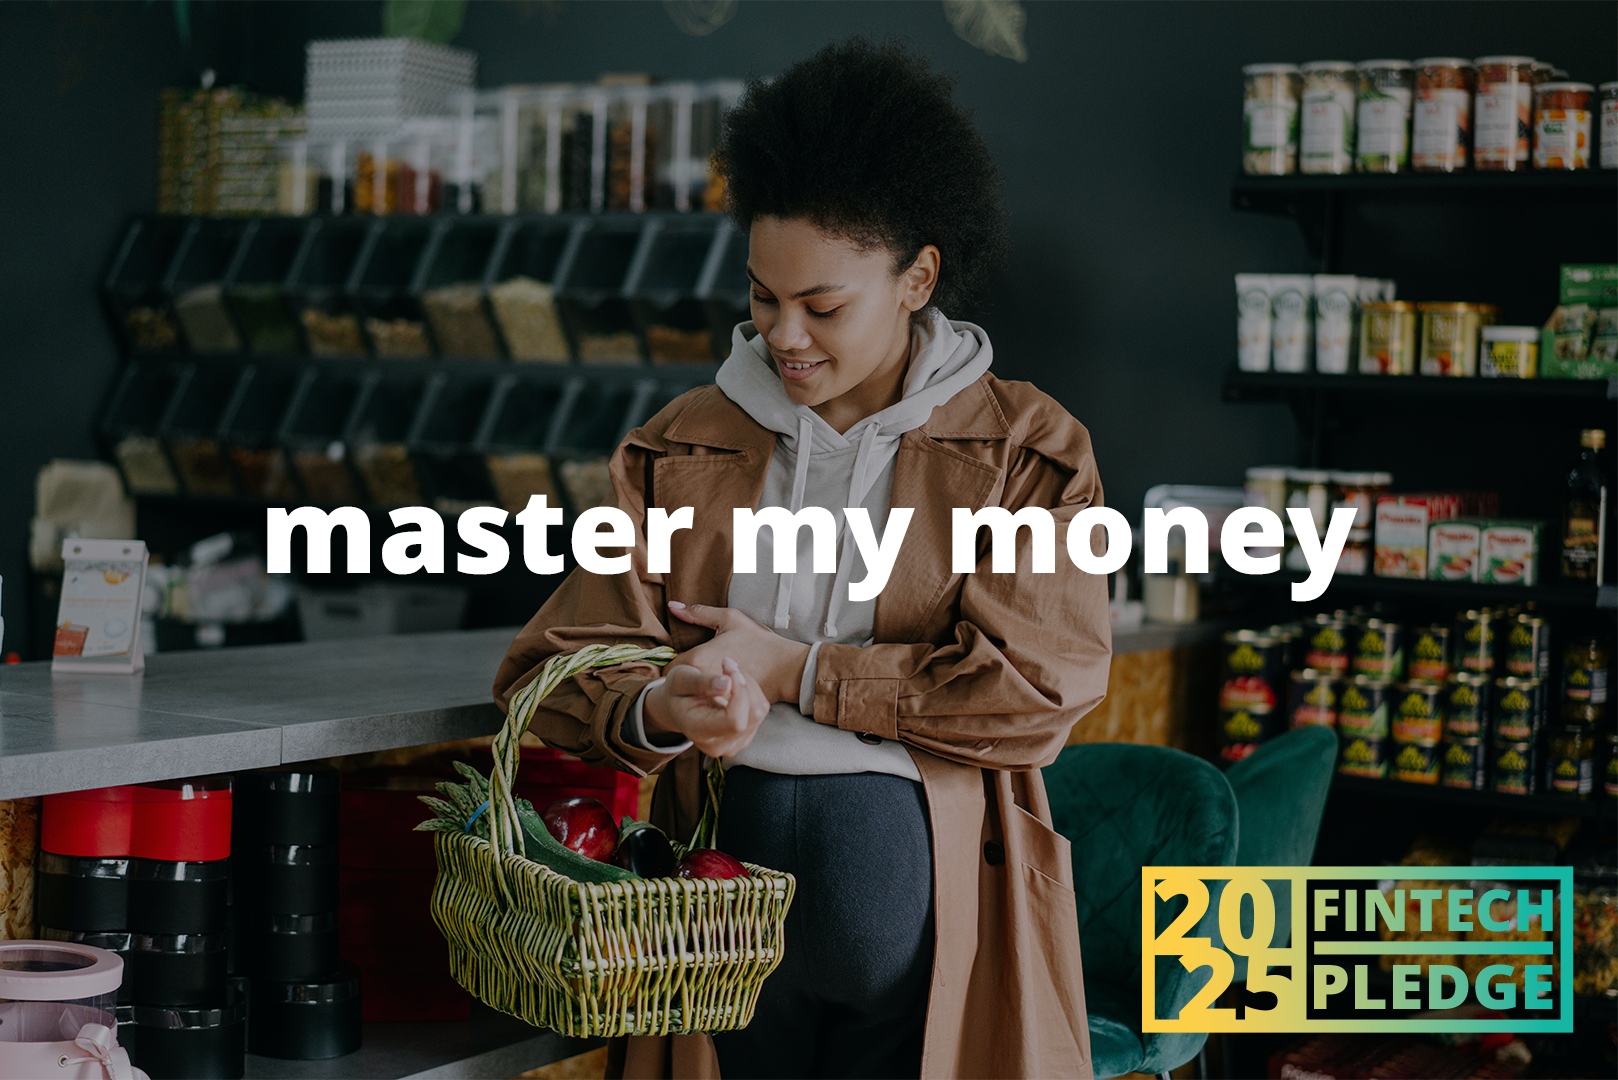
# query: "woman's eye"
{"type": "Point", "coordinates": [762, 299]}
{"type": "Point", "coordinates": [824, 314]}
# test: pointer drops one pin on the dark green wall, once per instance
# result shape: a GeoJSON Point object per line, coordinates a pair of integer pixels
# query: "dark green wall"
{"type": "Point", "coordinates": [1118, 139]}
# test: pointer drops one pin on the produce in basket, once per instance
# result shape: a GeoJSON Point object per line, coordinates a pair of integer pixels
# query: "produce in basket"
{"type": "Point", "coordinates": [644, 850]}
{"type": "Point", "coordinates": [708, 863]}
{"type": "Point", "coordinates": [584, 826]}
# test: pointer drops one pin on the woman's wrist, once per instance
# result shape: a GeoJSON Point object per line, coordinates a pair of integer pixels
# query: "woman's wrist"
{"type": "Point", "coordinates": [789, 681]}
{"type": "Point", "coordinates": [655, 721]}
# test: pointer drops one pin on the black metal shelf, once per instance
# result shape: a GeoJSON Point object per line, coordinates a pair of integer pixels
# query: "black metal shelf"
{"type": "Point", "coordinates": [1463, 594]}
{"type": "Point", "coordinates": [1596, 806]}
{"type": "Point", "coordinates": [542, 372]}
{"type": "Point", "coordinates": [1242, 386]}
{"type": "Point", "coordinates": [1290, 195]}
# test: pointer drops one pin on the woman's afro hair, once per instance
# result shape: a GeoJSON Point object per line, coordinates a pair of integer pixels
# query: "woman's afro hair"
{"type": "Point", "coordinates": [864, 141]}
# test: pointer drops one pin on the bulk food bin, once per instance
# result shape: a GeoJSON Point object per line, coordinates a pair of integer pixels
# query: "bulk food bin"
{"type": "Point", "coordinates": [316, 286]}
{"type": "Point", "coordinates": [443, 442]}
{"type": "Point", "coordinates": [724, 287]}
{"type": "Point", "coordinates": [517, 449]}
{"type": "Point", "coordinates": [313, 438]}
{"type": "Point", "coordinates": [137, 413]}
{"type": "Point", "coordinates": [195, 284]}
{"type": "Point", "coordinates": [379, 287]}
{"type": "Point", "coordinates": [662, 288]}
{"type": "Point", "coordinates": [250, 434]}
{"type": "Point", "coordinates": [378, 436]}
{"type": "Point", "coordinates": [590, 289]}
{"type": "Point", "coordinates": [598, 419]}
{"type": "Point", "coordinates": [449, 286]}
{"type": "Point", "coordinates": [133, 287]}
{"type": "Point", "coordinates": [255, 286]}
{"type": "Point", "coordinates": [207, 397]}
{"type": "Point", "coordinates": [520, 285]}
{"type": "Point", "coordinates": [49, 991]}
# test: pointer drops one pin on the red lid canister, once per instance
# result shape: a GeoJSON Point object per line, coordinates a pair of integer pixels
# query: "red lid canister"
{"type": "Point", "coordinates": [92, 824]}
{"type": "Point", "coordinates": [182, 820]}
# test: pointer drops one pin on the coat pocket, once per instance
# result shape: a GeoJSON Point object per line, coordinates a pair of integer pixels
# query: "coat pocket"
{"type": "Point", "coordinates": [1042, 848]}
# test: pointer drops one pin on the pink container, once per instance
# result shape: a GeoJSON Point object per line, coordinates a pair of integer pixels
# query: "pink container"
{"type": "Point", "coordinates": [58, 1002]}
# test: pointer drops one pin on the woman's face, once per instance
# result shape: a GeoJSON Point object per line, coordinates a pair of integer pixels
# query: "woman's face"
{"type": "Point", "coordinates": [835, 317]}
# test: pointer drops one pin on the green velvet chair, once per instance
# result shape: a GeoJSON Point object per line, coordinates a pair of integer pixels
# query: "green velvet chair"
{"type": "Point", "coordinates": [1126, 806]}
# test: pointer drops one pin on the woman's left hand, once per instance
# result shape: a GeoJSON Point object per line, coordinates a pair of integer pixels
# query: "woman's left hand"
{"type": "Point", "coordinates": [774, 662]}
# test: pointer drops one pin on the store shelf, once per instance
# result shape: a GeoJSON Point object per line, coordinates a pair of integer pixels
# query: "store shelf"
{"type": "Point", "coordinates": [1462, 594]}
{"type": "Point", "coordinates": [1287, 194]}
{"type": "Point", "coordinates": [1245, 386]}
{"type": "Point", "coordinates": [1366, 787]}
{"type": "Point", "coordinates": [201, 712]}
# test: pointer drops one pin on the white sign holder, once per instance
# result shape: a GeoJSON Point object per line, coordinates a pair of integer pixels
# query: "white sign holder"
{"type": "Point", "coordinates": [98, 620]}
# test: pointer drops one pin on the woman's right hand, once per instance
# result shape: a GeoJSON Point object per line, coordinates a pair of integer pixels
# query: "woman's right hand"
{"type": "Point", "coordinates": [718, 713]}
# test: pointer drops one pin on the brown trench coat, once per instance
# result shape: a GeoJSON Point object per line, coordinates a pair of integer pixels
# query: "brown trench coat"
{"type": "Point", "coordinates": [981, 675]}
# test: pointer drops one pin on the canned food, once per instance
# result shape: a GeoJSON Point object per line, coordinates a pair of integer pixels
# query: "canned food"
{"type": "Point", "coordinates": [1466, 707]}
{"type": "Point", "coordinates": [1519, 709]}
{"type": "Point", "coordinates": [1474, 641]}
{"type": "Point", "coordinates": [1327, 648]}
{"type": "Point", "coordinates": [1289, 636]}
{"type": "Point", "coordinates": [1449, 336]}
{"type": "Point", "coordinates": [1503, 116]}
{"type": "Point", "coordinates": [1509, 352]}
{"type": "Point", "coordinates": [1240, 732]}
{"type": "Point", "coordinates": [1441, 127]}
{"type": "Point", "coordinates": [1430, 652]}
{"type": "Point", "coordinates": [1313, 699]}
{"type": "Point", "coordinates": [1362, 755]}
{"type": "Point", "coordinates": [1388, 338]}
{"type": "Point", "coordinates": [1611, 782]}
{"type": "Point", "coordinates": [1570, 761]}
{"type": "Point", "coordinates": [1465, 764]}
{"type": "Point", "coordinates": [1251, 692]}
{"type": "Point", "coordinates": [1363, 706]}
{"type": "Point", "coordinates": [1415, 761]}
{"type": "Point", "coordinates": [1379, 649]}
{"type": "Point", "coordinates": [1419, 714]}
{"type": "Point", "coordinates": [1514, 768]}
{"type": "Point", "coordinates": [1528, 647]}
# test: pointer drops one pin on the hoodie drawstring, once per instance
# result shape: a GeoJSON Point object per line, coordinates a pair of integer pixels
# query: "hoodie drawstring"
{"type": "Point", "coordinates": [800, 481]}
{"type": "Point", "coordinates": [859, 485]}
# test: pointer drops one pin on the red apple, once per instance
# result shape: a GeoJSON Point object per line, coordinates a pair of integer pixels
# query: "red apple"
{"type": "Point", "coordinates": [708, 863]}
{"type": "Point", "coordinates": [583, 826]}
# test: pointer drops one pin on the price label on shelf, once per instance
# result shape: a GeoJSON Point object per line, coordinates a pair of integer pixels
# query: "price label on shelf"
{"type": "Point", "coordinates": [98, 619]}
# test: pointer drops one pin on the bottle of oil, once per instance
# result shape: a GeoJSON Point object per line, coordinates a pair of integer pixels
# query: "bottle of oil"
{"type": "Point", "coordinates": [1584, 511]}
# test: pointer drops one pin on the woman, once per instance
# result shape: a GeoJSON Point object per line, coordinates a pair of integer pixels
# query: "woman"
{"type": "Point", "coordinates": [884, 751]}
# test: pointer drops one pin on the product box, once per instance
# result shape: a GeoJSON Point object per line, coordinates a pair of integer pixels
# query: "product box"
{"type": "Point", "coordinates": [1452, 550]}
{"type": "Point", "coordinates": [1509, 552]}
{"type": "Point", "coordinates": [1402, 522]}
{"type": "Point", "coordinates": [1595, 284]}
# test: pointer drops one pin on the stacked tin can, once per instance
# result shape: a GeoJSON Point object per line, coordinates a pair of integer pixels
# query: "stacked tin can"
{"type": "Point", "coordinates": [1252, 689]}
{"type": "Point", "coordinates": [305, 1000]}
{"type": "Point", "coordinates": [83, 871]}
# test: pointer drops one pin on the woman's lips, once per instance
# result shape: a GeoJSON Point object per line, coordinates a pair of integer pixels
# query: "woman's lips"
{"type": "Point", "coordinates": [798, 374]}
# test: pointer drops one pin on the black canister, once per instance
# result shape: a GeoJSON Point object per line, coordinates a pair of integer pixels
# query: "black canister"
{"type": "Point", "coordinates": [82, 893]}
{"type": "Point", "coordinates": [288, 879]}
{"type": "Point", "coordinates": [287, 806]}
{"type": "Point", "coordinates": [177, 969]}
{"type": "Point", "coordinates": [177, 897]}
{"type": "Point", "coordinates": [192, 1042]}
{"type": "Point", "coordinates": [307, 1020]}
{"type": "Point", "coordinates": [290, 948]}
{"type": "Point", "coordinates": [114, 941]}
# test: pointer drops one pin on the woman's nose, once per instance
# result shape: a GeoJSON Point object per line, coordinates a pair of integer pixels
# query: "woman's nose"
{"type": "Point", "coordinates": [789, 333]}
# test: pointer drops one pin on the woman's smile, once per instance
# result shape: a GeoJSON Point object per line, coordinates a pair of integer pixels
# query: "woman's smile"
{"type": "Point", "coordinates": [797, 370]}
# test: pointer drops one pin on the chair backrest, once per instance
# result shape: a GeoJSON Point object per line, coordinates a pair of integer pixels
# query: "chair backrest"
{"type": "Point", "coordinates": [1125, 806]}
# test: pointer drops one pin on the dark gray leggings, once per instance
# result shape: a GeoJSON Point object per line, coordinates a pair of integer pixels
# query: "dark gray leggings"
{"type": "Point", "coordinates": [850, 996]}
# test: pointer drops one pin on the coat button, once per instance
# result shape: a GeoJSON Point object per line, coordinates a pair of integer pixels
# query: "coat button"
{"type": "Point", "coordinates": [868, 739]}
{"type": "Point", "coordinates": [994, 853]}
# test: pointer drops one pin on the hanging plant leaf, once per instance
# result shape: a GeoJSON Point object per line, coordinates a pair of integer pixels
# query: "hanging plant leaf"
{"type": "Point", "coordinates": [995, 26]}
{"type": "Point", "coordinates": [437, 21]}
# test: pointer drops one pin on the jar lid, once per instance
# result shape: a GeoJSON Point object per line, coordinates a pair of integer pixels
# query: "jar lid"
{"type": "Point", "coordinates": [33, 970]}
{"type": "Point", "coordinates": [1387, 305]}
{"type": "Point", "coordinates": [1551, 87]}
{"type": "Point", "coordinates": [1606, 86]}
{"type": "Point", "coordinates": [1309, 476]}
{"type": "Point", "coordinates": [1361, 479]}
{"type": "Point", "coordinates": [343, 987]}
{"type": "Point", "coordinates": [1396, 65]}
{"type": "Point", "coordinates": [1480, 61]}
{"type": "Point", "coordinates": [1270, 69]}
{"type": "Point", "coordinates": [1328, 65]}
{"type": "Point", "coordinates": [1443, 61]}
{"type": "Point", "coordinates": [1267, 472]}
{"type": "Point", "coordinates": [1511, 333]}
{"type": "Point", "coordinates": [234, 1011]}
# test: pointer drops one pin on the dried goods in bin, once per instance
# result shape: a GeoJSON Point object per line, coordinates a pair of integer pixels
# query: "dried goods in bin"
{"type": "Point", "coordinates": [207, 324]}
{"type": "Point", "coordinates": [617, 348]}
{"type": "Point", "coordinates": [145, 466]}
{"type": "Point", "coordinates": [202, 466]}
{"type": "Point", "coordinates": [516, 477]}
{"type": "Point", "coordinates": [528, 318]}
{"type": "Point", "coordinates": [403, 338]}
{"type": "Point", "coordinates": [459, 323]}
{"type": "Point", "coordinates": [262, 471]}
{"type": "Point", "coordinates": [325, 476]}
{"type": "Point", "coordinates": [151, 329]}
{"type": "Point", "coordinates": [389, 474]}
{"type": "Point", "coordinates": [670, 344]}
{"type": "Point", "coordinates": [588, 483]}
{"type": "Point", "coordinates": [331, 334]}
{"type": "Point", "coordinates": [261, 312]}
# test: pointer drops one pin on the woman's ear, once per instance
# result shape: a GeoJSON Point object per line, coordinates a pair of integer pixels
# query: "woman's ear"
{"type": "Point", "coordinates": [917, 283]}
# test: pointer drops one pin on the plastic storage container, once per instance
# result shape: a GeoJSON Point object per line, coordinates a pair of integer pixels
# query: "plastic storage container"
{"type": "Point", "coordinates": [1503, 113]}
{"type": "Point", "coordinates": [383, 421]}
{"type": "Point", "coordinates": [1441, 127]}
{"type": "Point", "coordinates": [662, 287]}
{"type": "Point", "coordinates": [590, 290]}
{"type": "Point", "coordinates": [520, 285]}
{"type": "Point", "coordinates": [178, 969]}
{"type": "Point", "coordinates": [307, 1020]}
{"type": "Point", "coordinates": [116, 942]}
{"type": "Point", "coordinates": [379, 287]}
{"type": "Point", "coordinates": [1326, 136]}
{"type": "Point", "coordinates": [140, 406]}
{"type": "Point", "coordinates": [208, 397]}
{"type": "Point", "coordinates": [255, 286]}
{"type": "Point", "coordinates": [294, 805]}
{"type": "Point", "coordinates": [202, 1042]}
{"type": "Point", "coordinates": [82, 892]}
{"type": "Point", "coordinates": [95, 822]}
{"type": "Point", "coordinates": [1382, 123]}
{"type": "Point", "coordinates": [449, 283]}
{"type": "Point", "coordinates": [1270, 119]}
{"type": "Point", "coordinates": [315, 286]}
{"type": "Point", "coordinates": [596, 422]}
{"type": "Point", "coordinates": [290, 947]}
{"type": "Point", "coordinates": [517, 450]}
{"type": "Point", "coordinates": [445, 443]}
{"type": "Point", "coordinates": [133, 287]}
{"type": "Point", "coordinates": [251, 435]}
{"type": "Point", "coordinates": [1564, 115]}
{"type": "Point", "coordinates": [195, 284]}
{"type": "Point", "coordinates": [314, 439]}
{"type": "Point", "coordinates": [49, 990]}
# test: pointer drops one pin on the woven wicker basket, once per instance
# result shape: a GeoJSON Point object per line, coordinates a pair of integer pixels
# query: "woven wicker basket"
{"type": "Point", "coordinates": [651, 956]}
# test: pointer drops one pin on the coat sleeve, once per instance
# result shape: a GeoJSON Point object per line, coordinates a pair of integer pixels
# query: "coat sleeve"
{"type": "Point", "coordinates": [585, 714]}
{"type": "Point", "coordinates": [1027, 657]}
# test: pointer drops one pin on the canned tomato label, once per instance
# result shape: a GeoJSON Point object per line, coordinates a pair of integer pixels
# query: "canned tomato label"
{"type": "Point", "coordinates": [1514, 768]}
{"type": "Point", "coordinates": [1466, 707]}
{"type": "Point", "coordinates": [1586, 685]}
{"type": "Point", "coordinates": [1363, 706]}
{"type": "Point", "coordinates": [1528, 647]}
{"type": "Point", "coordinates": [1429, 653]}
{"type": "Point", "coordinates": [1475, 642]}
{"type": "Point", "coordinates": [1419, 713]}
{"type": "Point", "coordinates": [1250, 693]}
{"type": "Point", "coordinates": [1240, 732]}
{"type": "Point", "coordinates": [1570, 776]}
{"type": "Point", "coordinates": [1465, 764]}
{"type": "Point", "coordinates": [1313, 699]}
{"type": "Point", "coordinates": [1415, 761]}
{"type": "Point", "coordinates": [1519, 709]}
{"type": "Point", "coordinates": [1379, 649]}
{"type": "Point", "coordinates": [1328, 645]}
{"type": "Point", "coordinates": [1362, 755]}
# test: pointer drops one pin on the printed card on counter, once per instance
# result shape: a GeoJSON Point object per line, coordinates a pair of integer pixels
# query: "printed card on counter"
{"type": "Point", "coordinates": [98, 621]}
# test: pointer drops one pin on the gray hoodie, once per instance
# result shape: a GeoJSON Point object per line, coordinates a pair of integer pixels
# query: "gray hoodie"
{"type": "Point", "coordinates": [814, 465]}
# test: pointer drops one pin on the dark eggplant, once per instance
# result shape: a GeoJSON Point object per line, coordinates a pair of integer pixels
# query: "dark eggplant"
{"type": "Point", "coordinates": [644, 850]}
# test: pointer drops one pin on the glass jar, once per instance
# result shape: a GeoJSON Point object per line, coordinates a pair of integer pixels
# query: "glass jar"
{"type": "Point", "coordinates": [1270, 119]}
{"type": "Point", "coordinates": [1326, 139]}
{"type": "Point", "coordinates": [1570, 761]}
{"type": "Point", "coordinates": [1502, 113]}
{"type": "Point", "coordinates": [1441, 128]}
{"type": "Point", "coordinates": [1358, 491]}
{"type": "Point", "coordinates": [1609, 125]}
{"type": "Point", "coordinates": [1562, 125]}
{"type": "Point", "coordinates": [1383, 117]}
{"type": "Point", "coordinates": [1584, 681]}
{"type": "Point", "coordinates": [1388, 338]}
